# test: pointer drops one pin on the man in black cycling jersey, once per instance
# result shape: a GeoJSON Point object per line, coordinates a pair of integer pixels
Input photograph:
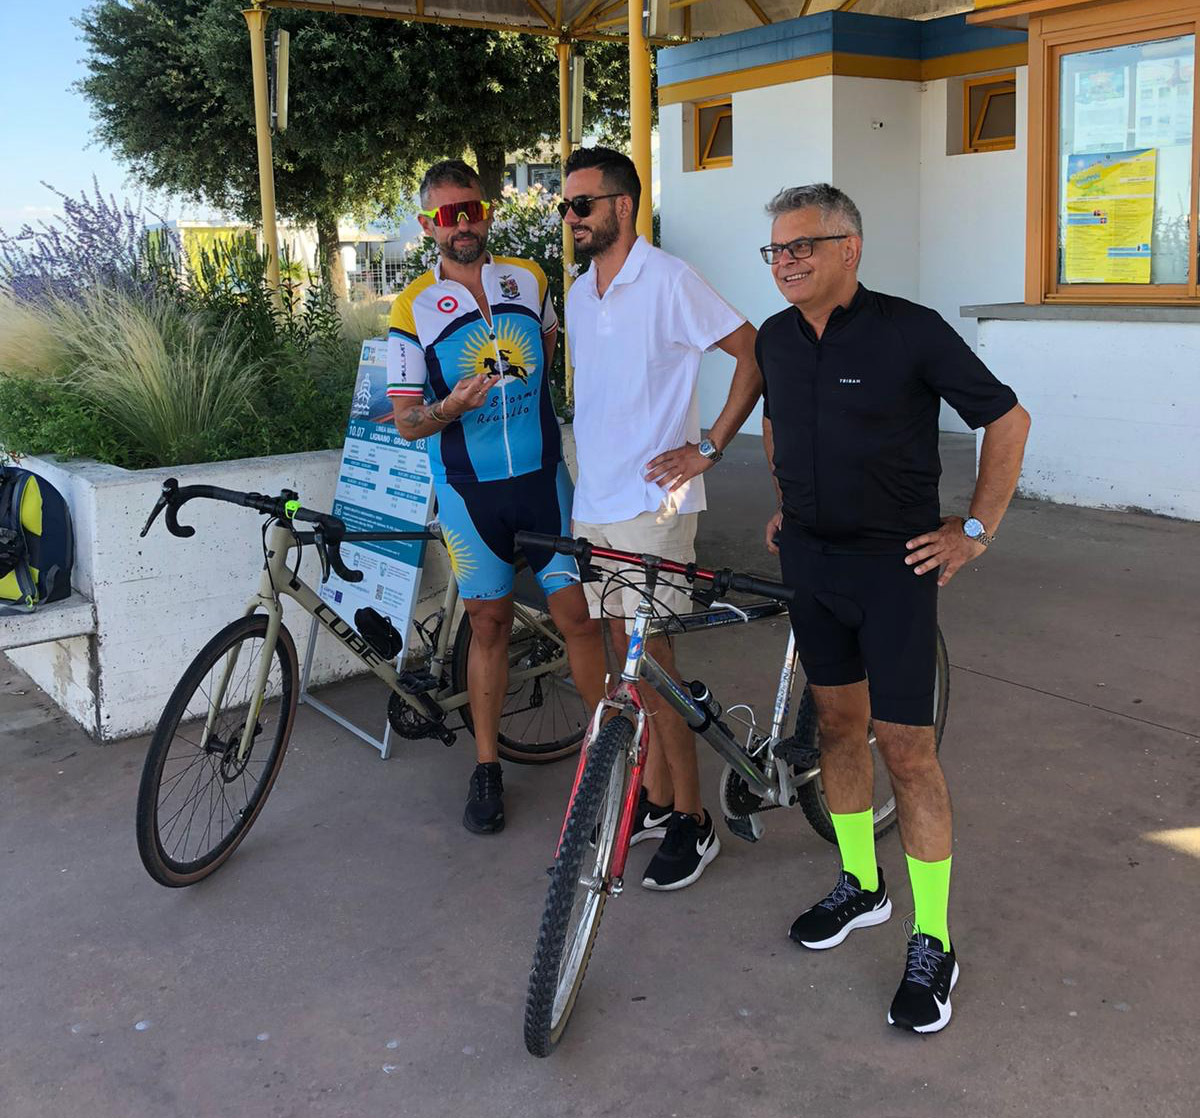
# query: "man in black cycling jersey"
{"type": "Point", "coordinates": [853, 382]}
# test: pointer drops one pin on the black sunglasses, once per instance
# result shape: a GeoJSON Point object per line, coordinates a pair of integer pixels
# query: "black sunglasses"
{"type": "Point", "coordinates": [799, 249]}
{"type": "Point", "coordinates": [582, 204]}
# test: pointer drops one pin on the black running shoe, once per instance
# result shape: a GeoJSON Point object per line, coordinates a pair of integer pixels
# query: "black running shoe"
{"type": "Point", "coordinates": [686, 849]}
{"type": "Point", "coordinates": [830, 921]}
{"type": "Point", "coordinates": [485, 805]}
{"type": "Point", "coordinates": [651, 820]}
{"type": "Point", "coordinates": [922, 1003]}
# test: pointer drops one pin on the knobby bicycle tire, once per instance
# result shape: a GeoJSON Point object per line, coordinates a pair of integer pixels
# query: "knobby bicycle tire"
{"type": "Point", "coordinates": [553, 993]}
{"type": "Point", "coordinates": [538, 739]}
{"type": "Point", "coordinates": [210, 766]}
{"type": "Point", "coordinates": [812, 795]}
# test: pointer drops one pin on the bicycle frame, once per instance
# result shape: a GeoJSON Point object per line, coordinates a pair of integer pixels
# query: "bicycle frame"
{"type": "Point", "coordinates": [277, 580]}
{"type": "Point", "coordinates": [625, 698]}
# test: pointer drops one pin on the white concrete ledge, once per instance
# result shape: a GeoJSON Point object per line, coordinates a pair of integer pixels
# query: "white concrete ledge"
{"type": "Point", "coordinates": [1079, 312]}
{"type": "Point", "coordinates": [72, 617]}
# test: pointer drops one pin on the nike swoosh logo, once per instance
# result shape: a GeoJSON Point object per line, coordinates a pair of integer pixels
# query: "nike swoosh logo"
{"type": "Point", "coordinates": [650, 821]}
{"type": "Point", "coordinates": [702, 847]}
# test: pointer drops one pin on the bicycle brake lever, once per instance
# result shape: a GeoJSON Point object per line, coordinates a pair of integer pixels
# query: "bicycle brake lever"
{"type": "Point", "coordinates": [323, 553]}
{"type": "Point", "coordinates": [169, 488]}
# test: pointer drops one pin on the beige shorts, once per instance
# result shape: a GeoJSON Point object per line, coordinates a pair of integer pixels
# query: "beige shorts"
{"type": "Point", "coordinates": [667, 533]}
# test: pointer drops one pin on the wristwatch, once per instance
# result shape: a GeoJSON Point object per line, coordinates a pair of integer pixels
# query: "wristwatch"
{"type": "Point", "coordinates": [974, 530]}
{"type": "Point", "coordinates": [709, 450]}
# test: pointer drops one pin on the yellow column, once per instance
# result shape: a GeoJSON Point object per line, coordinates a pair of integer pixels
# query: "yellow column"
{"type": "Point", "coordinates": [568, 242]}
{"type": "Point", "coordinates": [256, 20]}
{"type": "Point", "coordinates": [639, 113]}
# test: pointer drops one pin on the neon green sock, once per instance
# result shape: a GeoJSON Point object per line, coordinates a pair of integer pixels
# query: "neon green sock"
{"type": "Point", "coordinates": [856, 844]}
{"type": "Point", "coordinates": [931, 896]}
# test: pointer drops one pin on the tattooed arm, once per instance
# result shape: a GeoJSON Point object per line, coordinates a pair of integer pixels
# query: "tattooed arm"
{"type": "Point", "coordinates": [417, 420]}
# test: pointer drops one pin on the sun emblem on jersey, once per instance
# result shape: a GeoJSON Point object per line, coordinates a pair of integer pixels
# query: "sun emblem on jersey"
{"type": "Point", "coordinates": [459, 554]}
{"type": "Point", "coordinates": [507, 355]}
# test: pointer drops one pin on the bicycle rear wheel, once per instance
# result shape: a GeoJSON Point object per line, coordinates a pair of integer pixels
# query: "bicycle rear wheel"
{"type": "Point", "coordinates": [197, 800]}
{"type": "Point", "coordinates": [579, 882]}
{"type": "Point", "coordinates": [812, 795]}
{"type": "Point", "coordinates": [543, 718]}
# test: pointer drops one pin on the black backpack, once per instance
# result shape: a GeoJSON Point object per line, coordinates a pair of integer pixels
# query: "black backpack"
{"type": "Point", "coordinates": [37, 546]}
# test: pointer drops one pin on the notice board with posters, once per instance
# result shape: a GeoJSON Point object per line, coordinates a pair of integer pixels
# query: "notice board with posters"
{"type": "Point", "coordinates": [384, 485]}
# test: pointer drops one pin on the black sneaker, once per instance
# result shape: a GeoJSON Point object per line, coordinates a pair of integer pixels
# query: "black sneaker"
{"type": "Point", "coordinates": [686, 849]}
{"type": "Point", "coordinates": [830, 921]}
{"type": "Point", "coordinates": [922, 1003]}
{"type": "Point", "coordinates": [485, 807]}
{"type": "Point", "coordinates": [651, 820]}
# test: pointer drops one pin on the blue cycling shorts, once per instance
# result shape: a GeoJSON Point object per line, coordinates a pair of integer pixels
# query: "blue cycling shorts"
{"type": "Point", "coordinates": [480, 518]}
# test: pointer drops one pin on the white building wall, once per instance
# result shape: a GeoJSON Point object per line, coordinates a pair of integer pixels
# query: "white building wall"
{"type": "Point", "coordinates": [977, 200]}
{"type": "Point", "coordinates": [876, 160]}
{"type": "Point", "coordinates": [782, 135]}
{"type": "Point", "coordinates": [1116, 416]}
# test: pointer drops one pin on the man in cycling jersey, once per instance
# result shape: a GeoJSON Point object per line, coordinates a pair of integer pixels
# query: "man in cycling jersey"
{"type": "Point", "coordinates": [639, 321]}
{"type": "Point", "coordinates": [469, 349]}
{"type": "Point", "coordinates": [853, 382]}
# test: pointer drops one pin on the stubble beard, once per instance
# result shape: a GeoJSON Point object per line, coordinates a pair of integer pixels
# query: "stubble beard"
{"type": "Point", "coordinates": [466, 251]}
{"type": "Point", "coordinates": [603, 237]}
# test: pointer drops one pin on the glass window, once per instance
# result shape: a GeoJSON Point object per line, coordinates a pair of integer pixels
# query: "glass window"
{"type": "Point", "coordinates": [714, 134]}
{"type": "Point", "coordinates": [990, 113]}
{"type": "Point", "coordinates": [1125, 163]}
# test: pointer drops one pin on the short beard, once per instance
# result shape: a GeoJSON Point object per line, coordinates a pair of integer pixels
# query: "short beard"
{"type": "Point", "coordinates": [603, 238]}
{"type": "Point", "coordinates": [467, 254]}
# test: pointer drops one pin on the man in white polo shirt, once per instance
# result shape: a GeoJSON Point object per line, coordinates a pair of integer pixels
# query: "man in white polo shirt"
{"type": "Point", "coordinates": [638, 322]}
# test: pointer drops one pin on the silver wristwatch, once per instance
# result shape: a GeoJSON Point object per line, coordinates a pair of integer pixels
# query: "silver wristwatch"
{"type": "Point", "coordinates": [709, 450]}
{"type": "Point", "coordinates": [974, 530]}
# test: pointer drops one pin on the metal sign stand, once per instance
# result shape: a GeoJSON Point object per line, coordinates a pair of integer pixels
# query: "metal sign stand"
{"type": "Point", "coordinates": [384, 746]}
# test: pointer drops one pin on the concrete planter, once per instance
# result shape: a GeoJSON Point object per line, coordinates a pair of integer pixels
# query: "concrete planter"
{"type": "Point", "coordinates": [158, 600]}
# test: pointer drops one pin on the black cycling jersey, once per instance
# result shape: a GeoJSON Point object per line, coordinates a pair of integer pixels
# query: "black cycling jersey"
{"type": "Point", "coordinates": [854, 416]}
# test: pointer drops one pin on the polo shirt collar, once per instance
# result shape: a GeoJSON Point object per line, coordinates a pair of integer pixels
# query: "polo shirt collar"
{"type": "Point", "coordinates": [639, 252]}
{"type": "Point", "coordinates": [839, 314]}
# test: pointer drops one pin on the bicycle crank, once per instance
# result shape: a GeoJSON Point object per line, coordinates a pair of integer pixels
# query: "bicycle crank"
{"type": "Point", "coordinates": [413, 725]}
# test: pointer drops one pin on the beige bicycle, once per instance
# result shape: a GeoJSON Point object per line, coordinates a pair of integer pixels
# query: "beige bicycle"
{"type": "Point", "coordinates": [220, 741]}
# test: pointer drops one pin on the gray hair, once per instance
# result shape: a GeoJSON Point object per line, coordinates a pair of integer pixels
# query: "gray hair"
{"type": "Point", "coordinates": [838, 213]}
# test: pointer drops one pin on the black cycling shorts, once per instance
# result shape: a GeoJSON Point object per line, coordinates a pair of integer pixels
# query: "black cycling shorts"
{"type": "Point", "coordinates": [864, 616]}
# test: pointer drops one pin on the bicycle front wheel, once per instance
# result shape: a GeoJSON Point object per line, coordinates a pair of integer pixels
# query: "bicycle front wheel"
{"type": "Point", "coordinates": [812, 795]}
{"type": "Point", "coordinates": [199, 793]}
{"type": "Point", "coordinates": [543, 718]}
{"type": "Point", "coordinates": [579, 884]}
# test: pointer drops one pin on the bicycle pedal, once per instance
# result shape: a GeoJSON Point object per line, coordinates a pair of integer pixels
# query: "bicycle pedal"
{"type": "Point", "coordinates": [417, 682]}
{"type": "Point", "coordinates": [800, 755]}
{"type": "Point", "coordinates": [746, 827]}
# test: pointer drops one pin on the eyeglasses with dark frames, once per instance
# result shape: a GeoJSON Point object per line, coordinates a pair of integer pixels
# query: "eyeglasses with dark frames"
{"type": "Point", "coordinates": [799, 249]}
{"type": "Point", "coordinates": [582, 204]}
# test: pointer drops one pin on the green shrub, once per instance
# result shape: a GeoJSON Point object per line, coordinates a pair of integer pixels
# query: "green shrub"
{"type": "Point", "coordinates": [193, 367]}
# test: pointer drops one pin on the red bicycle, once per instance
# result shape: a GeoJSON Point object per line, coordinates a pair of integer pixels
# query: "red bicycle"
{"type": "Point", "coordinates": [767, 771]}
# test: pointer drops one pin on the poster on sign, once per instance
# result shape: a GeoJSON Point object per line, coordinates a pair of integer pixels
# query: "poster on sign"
{"type": "Point", "coordinates": [384, 485]}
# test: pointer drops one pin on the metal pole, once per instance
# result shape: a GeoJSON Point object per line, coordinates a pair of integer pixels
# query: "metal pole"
{"type": "Point", "coordinates": [639, 114]}
{"type": "Point", "coordinates": [256, 21]}
{"type": "Point", "coordinates": [564, 152]}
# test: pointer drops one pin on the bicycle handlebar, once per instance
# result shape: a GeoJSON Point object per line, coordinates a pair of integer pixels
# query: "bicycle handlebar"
{"type": "Point", "coordinates": [724, 579]}
{"type": "Point", "coordinates": [328, 537]}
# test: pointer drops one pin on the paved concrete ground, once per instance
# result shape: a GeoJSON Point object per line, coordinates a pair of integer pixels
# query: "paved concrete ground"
{"type": "Point", "coordinates": [363, 956]}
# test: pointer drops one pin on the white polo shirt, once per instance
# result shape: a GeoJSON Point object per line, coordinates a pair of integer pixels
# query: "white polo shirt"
{"type": "Point", "coordinates": [636, 353]}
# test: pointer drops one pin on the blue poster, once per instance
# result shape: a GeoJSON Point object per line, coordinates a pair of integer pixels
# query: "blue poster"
{"type": "Point", "coordinates": [384, 485]}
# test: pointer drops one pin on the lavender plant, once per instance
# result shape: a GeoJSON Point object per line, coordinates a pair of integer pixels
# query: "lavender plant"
{"type": "Point", "coordinates": [95, 242]}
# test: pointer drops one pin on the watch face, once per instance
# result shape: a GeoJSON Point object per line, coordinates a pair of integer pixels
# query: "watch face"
{"type": "Point", "coordinates": [707, 448]}
{"type": "Point", "coordinates": [972, 528]}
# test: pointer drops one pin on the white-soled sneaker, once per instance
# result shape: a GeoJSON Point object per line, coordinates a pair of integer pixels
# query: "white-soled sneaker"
{"type": "Point", "coordinates": [847, 907]}
{"type": "Point", "coordinates": [686, 849]}
{"type": "Point", "coordinates": [922, 1003]}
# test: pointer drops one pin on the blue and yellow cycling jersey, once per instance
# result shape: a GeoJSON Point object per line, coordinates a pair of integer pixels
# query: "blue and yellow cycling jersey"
{"type": "Point", "coordinates": [437, 335]}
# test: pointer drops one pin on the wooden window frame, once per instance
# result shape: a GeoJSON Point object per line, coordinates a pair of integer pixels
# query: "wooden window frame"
{"type": "Point", "coordinates": [705, 162]}
{"type": "Point", "coordinates": [1052, 36]}
{"type": "Point", "coordinates": [971, 141]}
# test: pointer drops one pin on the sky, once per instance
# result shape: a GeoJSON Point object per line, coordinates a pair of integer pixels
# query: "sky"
{"type": "Point", "coordinates": [45, 125]}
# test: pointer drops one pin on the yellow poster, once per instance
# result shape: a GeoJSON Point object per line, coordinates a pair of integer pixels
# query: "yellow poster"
{"type": "Point", "coordinates": [1109, 217]}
